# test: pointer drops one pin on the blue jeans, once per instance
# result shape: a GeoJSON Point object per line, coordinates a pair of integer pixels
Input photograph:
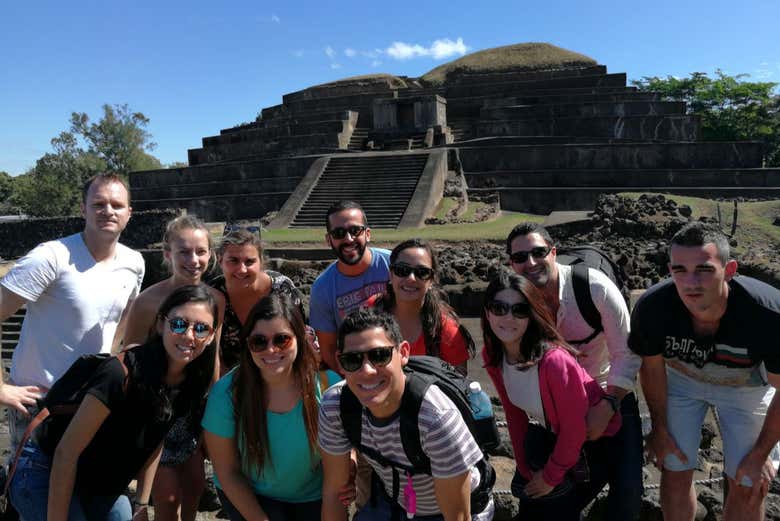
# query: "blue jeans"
{"type": "Point", "coordinates": [379, 509]}
{"type": "Point", "coordinates": [275, 510]}
{"type": "Point", "coordinates": [29, 493]}
{"type": "Point", "coordinates": [625, 480]}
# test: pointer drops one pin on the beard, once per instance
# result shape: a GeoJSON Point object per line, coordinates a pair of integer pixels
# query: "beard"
{"type": "Point", "coordinates": [360, 250]}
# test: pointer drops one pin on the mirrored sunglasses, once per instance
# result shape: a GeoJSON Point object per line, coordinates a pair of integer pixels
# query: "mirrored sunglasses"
{"type": "Point", "coordinates": [180, 326]}
{"type": "Point", "coordinates": [377, 356]}
{"type": "Point", "coordinates": [404, 270]}
{"type": "Point", "coordinates": [537, 253]}
{"type": "Point", "coordinates": [499, 309]}
{"type": "Point", "coordinates": [341, 232]}
{"type": "Point", "coordinates": [259, 343]}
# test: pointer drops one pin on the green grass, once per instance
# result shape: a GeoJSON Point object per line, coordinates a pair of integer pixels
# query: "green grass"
{"type": "Point", "coordinates": [496, 229]}
{"type": "Point", "coordinates": [521, 56]}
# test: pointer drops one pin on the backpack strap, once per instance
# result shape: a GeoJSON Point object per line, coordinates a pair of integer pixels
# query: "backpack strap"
{"type": "Point", "coordinates": [351, 412]}
{"type": "Point", "coordinates": [411, 403]}
{"type": "Point", "coordinates": [581, 283]}
{"type": "Point", "coordinates": [37, 420]}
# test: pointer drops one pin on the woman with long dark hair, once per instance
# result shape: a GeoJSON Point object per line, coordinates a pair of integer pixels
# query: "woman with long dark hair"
{"type": "Point", "coordinates": [117, 432]}
{"type": "Point", "coordinates": [537, 377]}
{"type": "Point", "coordinates": [261, 420]}
{"type": "Point", "coordinates": [426, 319]}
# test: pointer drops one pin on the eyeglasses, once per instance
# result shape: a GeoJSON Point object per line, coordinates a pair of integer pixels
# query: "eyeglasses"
{"type": "Point", "coordinates": [259, 343]}
{"type": "Point", "coordinates": [404, 270]}
{"type": "Point", "coordinates": [499, 309]}
{"type": "Point", "coordinates": [356, 230]}
{"type": "Point", "coordinates": [378, 357]}
{"type": "Point", "coordinates": [537, 253]}
{"type": "Point", "coordinates": [180, 326]}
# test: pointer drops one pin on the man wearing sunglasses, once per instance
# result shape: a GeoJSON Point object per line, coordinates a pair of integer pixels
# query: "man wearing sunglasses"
{"type": "Point", "coordinates": [607, 357]}
{"type": "Point", "coordinates": [358, 273]}
{"type": "Point", "coordinates": [372, 354]}
{"type": "Point", "coordinates": [76, 290]}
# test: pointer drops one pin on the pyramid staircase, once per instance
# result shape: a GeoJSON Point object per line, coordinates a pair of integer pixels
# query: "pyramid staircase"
{"type": "Point", "coordinates": [383, 184]}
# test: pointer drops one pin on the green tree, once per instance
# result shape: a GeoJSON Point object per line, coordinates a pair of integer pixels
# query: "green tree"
{"type": "Point", "coordinates": [6, 193]}
{"type": "Point", "coordinates": [118, 143]}
{"type": "Point", "coordinates": [730, 108]}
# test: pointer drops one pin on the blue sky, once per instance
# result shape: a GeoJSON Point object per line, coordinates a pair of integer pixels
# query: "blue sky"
{"type": "Point", "coordinates": [196, 67]}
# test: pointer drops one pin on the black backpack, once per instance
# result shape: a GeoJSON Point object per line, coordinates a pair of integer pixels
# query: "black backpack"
{"type": "Point", "coordinates": [421, 373]}
{"type": "Point", "coordinates": [580, 258]}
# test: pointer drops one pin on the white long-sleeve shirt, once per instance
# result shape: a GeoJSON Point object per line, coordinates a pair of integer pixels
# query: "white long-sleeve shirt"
{"type": "Point", "coordinates": [607, 357]}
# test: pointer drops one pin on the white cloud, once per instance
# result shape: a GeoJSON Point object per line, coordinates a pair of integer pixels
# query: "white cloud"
{"type": "Point", "coordinates": [335, 66]}
{"type": "Point", "coordinates": [330, 52]}
{"type": "Point", "coordinates": [350, 53]}
{"type": "Point", "coordinates": [376, 63]}
{"type": "Point", "coordinates": [763, 74]}
{"type": "Point", "coordinates": [372, 54]}
{"type": "Point", "coordinates": [275, 19]}
{"type": "Point", "coordinates": [298, 53]}
{"type": "Point", "coordinates": [440, 49]}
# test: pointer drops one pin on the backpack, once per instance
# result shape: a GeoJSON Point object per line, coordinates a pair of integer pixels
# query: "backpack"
{"type": "Point", "coordinates": [580, 258]}
{"type": "Point", "coordinates": [422, 372]}
{"type": "Point", "coordinates": [64, 398]}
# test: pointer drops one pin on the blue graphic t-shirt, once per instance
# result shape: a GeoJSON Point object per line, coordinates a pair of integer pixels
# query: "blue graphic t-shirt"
{"type": "Point", "coordinates": [335, 295]}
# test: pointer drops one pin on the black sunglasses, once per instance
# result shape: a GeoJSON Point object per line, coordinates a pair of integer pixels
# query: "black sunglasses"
{"type": "Point", "coordinates": [378, 356]}
{"type": "Point", "coordinates": [356, 230]}
{"type": "Point", "coordinates": [499, 309]}
{"type": "Point", "coordinates": [180, 326]}
{"type": "Point", "coordinates": [404, 270]}
{"type": "Point", "coordinates": [259, 343]}
{"type": "Point", "coordinates": [537, 253]}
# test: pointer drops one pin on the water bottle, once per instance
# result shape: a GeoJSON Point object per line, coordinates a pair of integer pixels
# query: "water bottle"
{"type": "Point", "coordinates": [482, 411]}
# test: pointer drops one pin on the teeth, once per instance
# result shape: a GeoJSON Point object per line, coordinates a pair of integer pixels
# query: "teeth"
{"type": "Point", "coordinates": [367, 387]}
{"type": "Point", "coordinates": [272, 361]}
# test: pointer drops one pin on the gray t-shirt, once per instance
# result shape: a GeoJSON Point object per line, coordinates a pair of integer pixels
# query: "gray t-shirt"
{"type": "Point", "coordinates": [444, 436]}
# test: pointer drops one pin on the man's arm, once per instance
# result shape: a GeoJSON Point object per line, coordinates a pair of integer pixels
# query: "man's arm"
{"type": "Point", "coordinates": [12, 395]}
{"type": "Point", "coordinates": [453, 496]}
{"type": "Point", "coordinates": [653, 379]}
{"type": "Point", "coordinates": [328, 349]}
{"type": "Point", "coordinates": [336, 472]}
{"type": "Point", "coordinates": [754, 464]}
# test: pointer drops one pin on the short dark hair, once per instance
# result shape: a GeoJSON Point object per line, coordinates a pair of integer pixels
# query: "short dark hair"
{"type": "Point", "coordinates": [698, 234]}
{"type": "Point", "coordinates": [369, 318]}
{"type": "Point", "coordinates": [524, 228]}
{"type": "Point", "coordinates": [339, 206]}
{"type": "Point", "coordinates": [104, 177]}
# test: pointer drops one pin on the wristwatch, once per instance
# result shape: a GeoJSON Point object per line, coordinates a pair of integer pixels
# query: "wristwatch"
{"type": "Point", "coordinates": [613, 401]}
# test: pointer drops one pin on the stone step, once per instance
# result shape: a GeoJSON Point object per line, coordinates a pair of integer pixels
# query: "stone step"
{"type": "Point", "coordinates": [611, 156]}
{"type": "Point", "coordinates": [723, 178]}
{"type": "Point", "coordinates": [273, 133]}
{"type": "Point", "coordinates": [297, 144]}
{"type": "Point", "coordinates": [649, 128]}
{"type": "Point", "coordinates": [579, 110]}
{"type": "Point", "coordinates": [284, 184]}
{"type": "Point", "coordinates": [222, 207]}
{"type": "Point", "coordinates": [502, 77]}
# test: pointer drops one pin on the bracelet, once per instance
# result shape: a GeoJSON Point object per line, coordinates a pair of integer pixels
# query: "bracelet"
{"type": "Point", "coordinates": [613, 401]}
{"type": "Point", "coordinates": [139, 504]}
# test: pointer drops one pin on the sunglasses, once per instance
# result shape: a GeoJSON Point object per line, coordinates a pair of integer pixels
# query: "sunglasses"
{"type": "Point", "coordinates": [179, 326]}
{"type": "Point", "coordinates": [355, 231]}
{"type": "Point", "coordinates": [354, 360]}
{"type": "Point", "coordinates": [499, 309]}
{"type": "Point", "coordinates": [404, 270]}
{"type": "Point", "coordinates": [537, 253]}
{"type": "Point", "coordinates": [259, 343]}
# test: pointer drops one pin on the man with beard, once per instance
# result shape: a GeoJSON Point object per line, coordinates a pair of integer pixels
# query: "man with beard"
{"type": "Point", "coordinates": [344, 286]}
{"type": "Point", "coordinates": [76, 289]}
{"type": "Point", "coordinates": [605, 353]}
{"type": "Point", "coordinates": [708, 340]}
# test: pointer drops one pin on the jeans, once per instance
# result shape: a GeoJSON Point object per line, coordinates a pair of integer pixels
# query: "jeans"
{"type": "Point", "coordinates": [379, 508]}
{"type": "Point", "coordinates": [625, 479]}
{"type": "Point", "coordinates": [29, 493]}
{"type": "Point", "coordinates": [275, 510]}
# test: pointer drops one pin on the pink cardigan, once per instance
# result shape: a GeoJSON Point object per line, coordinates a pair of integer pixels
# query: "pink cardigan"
{"type": "Point", "coordinates": [567, 393]}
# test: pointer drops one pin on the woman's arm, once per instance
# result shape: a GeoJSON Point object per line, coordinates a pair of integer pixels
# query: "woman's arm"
{"type": "Point", "coordinates": [145, 479]}
{"type": "Point", "coordinates": [225, 458]}
{"type": "Point", "coordinates": [140, 321]}
{"type": "Point", "coordinates": [85, 423]}
{"type": "Point", "coordinates": [220, 298]}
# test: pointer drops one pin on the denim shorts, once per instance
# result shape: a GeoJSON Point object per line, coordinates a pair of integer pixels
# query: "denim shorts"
{"type": "Point", "coordinates": [740, 412]}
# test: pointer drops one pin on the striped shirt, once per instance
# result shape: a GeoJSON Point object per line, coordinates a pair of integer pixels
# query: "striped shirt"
{"type": "Point", "coordinates": [444, 436]}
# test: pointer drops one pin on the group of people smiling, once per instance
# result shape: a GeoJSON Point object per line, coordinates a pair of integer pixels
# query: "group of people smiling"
{"type": "Point", "coordinates": [238, 372]}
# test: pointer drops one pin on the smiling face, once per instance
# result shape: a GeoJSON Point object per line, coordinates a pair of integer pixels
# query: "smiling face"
{"type": "Point", "coordinates": [241, 266]}
{"type": "Point", "coordinates": [508, 328]}
{"type": "Point", "coordinates": [701, 279]}
{"type": "Point", "coordinates": [349, 249]}
{"type": "Point", "coordinates": [275, 362]}
{"type": "Point", "coordinates": [106, 209]}
{"type": "Point", "coordinates": [377, 388]}
{"type": "Point", "coordinates": [411, 288]}
{"type": "Point", "coordinates": [188, 253]}
{"type": "Point", "coordinates": [538, 271]}
{"type": "Point", "coordinates": [183, 348]}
